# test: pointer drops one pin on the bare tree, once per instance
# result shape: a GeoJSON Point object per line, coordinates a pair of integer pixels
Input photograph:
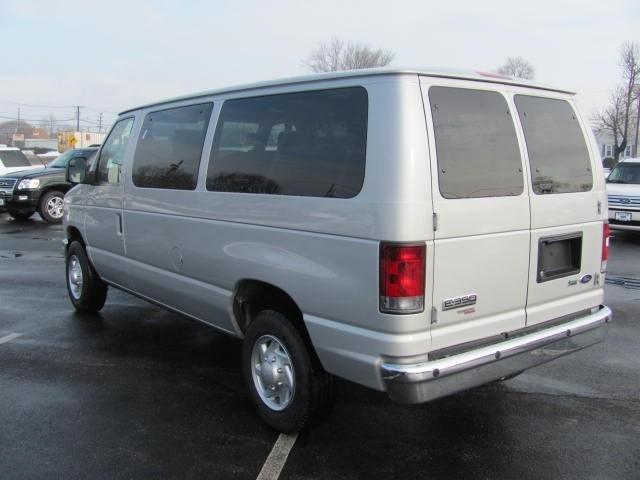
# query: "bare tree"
{"type": "Point", "coordinates": [630, 64]}
{"type": "Point", "coordinates": [340, 55]}
{"type": "Point", "coordinates": [611, 120]}
{"type": "Point", "coordinates": [617, 118]}
{"type": "Point", "coordinates": [517, 67]}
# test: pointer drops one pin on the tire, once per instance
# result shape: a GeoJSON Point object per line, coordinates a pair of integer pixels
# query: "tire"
{"type": "Point", "coordinates": [312, 395]}
{"type": "Point", "coordinates": [19, 216]}
{"type": "Point", "coordinates": [50, 207]}
{"type": "Point", "coordinates": [89, 294]}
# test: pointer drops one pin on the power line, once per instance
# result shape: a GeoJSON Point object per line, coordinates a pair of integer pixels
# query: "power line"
{"type": "Point", "coordinates": [29, 105]}
{"type": "Point", "coordinates": [22, 119]}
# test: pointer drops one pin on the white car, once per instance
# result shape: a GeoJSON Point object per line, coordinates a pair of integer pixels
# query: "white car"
{"type": "Point", "coordinates": [623, 190]}
{"type": "Point", "coordinates": [13, 160]}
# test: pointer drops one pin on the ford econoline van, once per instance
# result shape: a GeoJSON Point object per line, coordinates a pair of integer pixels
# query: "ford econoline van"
{"type": "Point", "coordinates": [419, 232]}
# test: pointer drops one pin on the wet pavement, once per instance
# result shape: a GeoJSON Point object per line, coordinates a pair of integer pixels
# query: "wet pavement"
{"type": "Point", "coordinates": [140, 393]}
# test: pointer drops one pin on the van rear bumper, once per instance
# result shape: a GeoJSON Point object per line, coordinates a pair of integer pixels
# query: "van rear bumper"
{"type": "Point", "coordinates": [421, 382]}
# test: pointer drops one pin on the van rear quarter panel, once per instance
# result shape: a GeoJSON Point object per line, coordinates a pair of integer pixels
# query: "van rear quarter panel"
{"type": "Point", "coordinates": [323, 252]}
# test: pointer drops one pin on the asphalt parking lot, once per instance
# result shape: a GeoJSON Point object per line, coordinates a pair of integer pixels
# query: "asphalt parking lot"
{"type": "Point", "coordinates": [138, 393]}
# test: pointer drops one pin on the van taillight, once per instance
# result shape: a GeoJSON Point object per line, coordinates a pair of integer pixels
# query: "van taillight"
{"type": "Point", "coordinates": [402, 271]}
{"type": "Point", "coordinates": [606, 234]}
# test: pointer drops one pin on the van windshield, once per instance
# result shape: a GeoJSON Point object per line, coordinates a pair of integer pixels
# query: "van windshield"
{"type": "Point", "coordinates": [625, 173]}
{"type": "Point", "coordinates": [13, 158]}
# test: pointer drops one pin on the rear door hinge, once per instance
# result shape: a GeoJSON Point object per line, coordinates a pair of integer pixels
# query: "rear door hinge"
{"type": "Point", "coordinates": [435, 221]}
{"type": "Point", "coordinates": [434, 315]}
{"type": "Point", "coordinates": [599, 207]}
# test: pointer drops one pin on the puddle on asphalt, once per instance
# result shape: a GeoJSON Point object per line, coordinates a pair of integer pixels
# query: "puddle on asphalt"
{"type": "Point", "coordinates": [626, 282]}
{"type": "Point", "coordinates": [35, 255]}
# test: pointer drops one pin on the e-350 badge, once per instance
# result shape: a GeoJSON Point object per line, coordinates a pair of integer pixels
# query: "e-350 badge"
{"type": "Point", "coordinates": [458, 302]}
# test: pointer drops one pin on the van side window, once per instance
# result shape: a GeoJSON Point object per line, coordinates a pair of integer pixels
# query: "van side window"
{"type": "Point", "coordinates": [170, 146]}
{"type": "Point", "coordinates": [476, 145]}
{"type": "Point", "coordinates": [112, 153]}
{"type": "Point", "coordinates": [557, 149]}
{"type": "Point", "coordinates": [308, 144]}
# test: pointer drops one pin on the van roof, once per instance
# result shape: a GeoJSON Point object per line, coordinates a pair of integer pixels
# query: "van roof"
{"type": "Point", "coordinates": [366, 72]}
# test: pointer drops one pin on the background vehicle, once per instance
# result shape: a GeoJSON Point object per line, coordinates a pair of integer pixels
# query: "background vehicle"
{"type": "Point", "coordinates": [13, 160]}
{"type": "Point", "coordinates": [417, 232]}
{"type": "Point", "coordinates": [623, 190]}
{"type": "Point", "coordinates": [24, 192]}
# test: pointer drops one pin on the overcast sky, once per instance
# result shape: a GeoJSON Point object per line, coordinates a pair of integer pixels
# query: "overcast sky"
{"type": "Point", "coordinates": [111, 55]}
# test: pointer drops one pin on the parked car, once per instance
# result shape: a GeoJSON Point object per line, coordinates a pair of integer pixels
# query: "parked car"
{"type": "Point", "coordinates": [623, 189]}
{"type": "Point", "coordinates": [24, 192]}
{"type": "Point", "coordinates": [13, 160]}
{"type": "Point", "coordinates": [417, 232]}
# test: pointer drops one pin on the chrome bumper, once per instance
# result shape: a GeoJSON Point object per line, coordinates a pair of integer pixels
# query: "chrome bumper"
{"type": "Point", "coordinates": [421, 382]}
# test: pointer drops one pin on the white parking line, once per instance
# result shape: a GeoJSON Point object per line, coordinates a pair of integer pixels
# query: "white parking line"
{"type": "Point", "coordinates": [278, 457]}
{"type": "Point", "coordinates": [8, 338]}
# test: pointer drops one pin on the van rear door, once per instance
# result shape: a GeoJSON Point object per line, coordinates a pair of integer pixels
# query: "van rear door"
{"type": "Point", "coordinates": [481, 203]}
{"type": "Point", "coordinates": [567, 209]}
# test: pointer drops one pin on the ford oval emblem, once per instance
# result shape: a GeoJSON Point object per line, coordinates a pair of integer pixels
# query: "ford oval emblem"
{"type": "Point", "coordinates": [625, 200]}
{"type": "Point", "coordinates": [586, 278]}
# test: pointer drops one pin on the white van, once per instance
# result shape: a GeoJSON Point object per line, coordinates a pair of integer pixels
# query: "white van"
{"type": "Point", "coordinates": [623, 188]}
{"type": "Point", "coordinates": [418, 232]}
{"type": "Point", "coordinates": [13, 160]}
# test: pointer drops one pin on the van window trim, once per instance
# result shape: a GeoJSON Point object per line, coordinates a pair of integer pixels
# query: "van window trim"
{"type": "Point", "coordinates": [99, 153]}
{"type": "Point", "coordinates": [507, 96]}
{"type": "Point", "coordinates": [285, 89]}
{"type": "Point", "coordinates": [585, 136]}
{"type": "Point", "coordinates": [144, 112]}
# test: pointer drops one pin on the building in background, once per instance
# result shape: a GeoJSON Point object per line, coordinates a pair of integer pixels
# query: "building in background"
{"type": "Point", "coordinates": [606, 146]}
{"type": "Point", "coordinates": [41, 144]}
{"type": "Point", "coordinates": [69, 140]}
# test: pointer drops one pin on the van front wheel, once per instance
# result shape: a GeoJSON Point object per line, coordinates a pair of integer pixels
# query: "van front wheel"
{"type": "Point", "coordinates": [287, 385]}
{"type": "Point", "coordinates": [86, 290]}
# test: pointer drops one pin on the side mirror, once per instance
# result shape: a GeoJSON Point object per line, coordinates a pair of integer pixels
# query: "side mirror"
{"type": "Point", "coordinates": [76, 170]}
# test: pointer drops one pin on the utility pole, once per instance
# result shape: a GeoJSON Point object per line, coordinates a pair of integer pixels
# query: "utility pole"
{"type": "Point", "coordinates": [100, 122]}
{"type": "Point", "coordinates": [635, 143]}
{"type": "Point", "coordinates": [78, 118]}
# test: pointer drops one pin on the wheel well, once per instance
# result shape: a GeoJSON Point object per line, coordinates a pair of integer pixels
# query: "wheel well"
{"type": "Point", "coordinates": [253, 296]}
{"type": "Point", "coordinates": [59, 188]}
{"type": "Point", "coordinates": [73, 234]}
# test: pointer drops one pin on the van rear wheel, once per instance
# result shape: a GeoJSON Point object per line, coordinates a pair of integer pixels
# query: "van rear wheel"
{"type": "Point", "coordinates": [287, 385]}
{"type": "Point", "coordinates": [87, 291]}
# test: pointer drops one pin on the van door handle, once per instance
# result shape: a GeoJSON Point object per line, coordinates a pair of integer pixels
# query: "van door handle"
{"type": "Point", "coordinates": [119, 224]}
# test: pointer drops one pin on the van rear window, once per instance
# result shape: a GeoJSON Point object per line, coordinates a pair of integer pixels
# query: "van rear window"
{"type": "Point", "coordinates": [476, 144]}
{"type": "Point", "coordinates": [309, 144]}
{"type": "Point", "coordinates": [558, 153]}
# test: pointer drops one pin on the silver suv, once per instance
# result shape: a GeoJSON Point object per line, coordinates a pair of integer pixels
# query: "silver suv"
{"type": "Point", "coordinates": [417, 232]}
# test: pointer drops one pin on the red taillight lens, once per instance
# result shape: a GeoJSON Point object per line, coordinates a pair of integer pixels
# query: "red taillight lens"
{"type": "Point", "coordinates": [606, 234]}
{"type": "Point", "coordinates": [402, 271]}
